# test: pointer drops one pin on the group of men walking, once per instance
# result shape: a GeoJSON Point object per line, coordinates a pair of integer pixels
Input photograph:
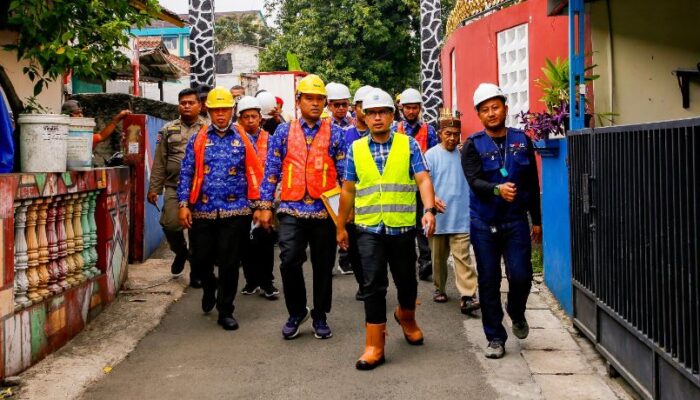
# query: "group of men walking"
{"type": "Point", "coordinates": [238, 189]}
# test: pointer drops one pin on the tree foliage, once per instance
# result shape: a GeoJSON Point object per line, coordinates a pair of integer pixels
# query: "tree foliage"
{"type": "Point", "coordinates": [84, 36]}
{"type": "Point", "coordinates": [246, 29]}
{"type": "Point", "coordinates": [356, 42]}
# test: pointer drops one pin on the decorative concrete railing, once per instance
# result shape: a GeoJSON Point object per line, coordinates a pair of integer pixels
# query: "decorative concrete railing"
{"type": "Point", "coordinates": [63, 257]}
{"type": "Point", "coordinates": [55, 245]}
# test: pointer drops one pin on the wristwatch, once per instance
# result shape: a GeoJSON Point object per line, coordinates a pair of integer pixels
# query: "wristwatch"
{"type": "Point", "coordinates": [431, 210]}
{"type": "Point", "coordinates": [496, 191]}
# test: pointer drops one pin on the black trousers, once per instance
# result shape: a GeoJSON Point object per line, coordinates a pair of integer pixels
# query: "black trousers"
{"type": "Point", "coordinates": [351, 256]}
{"type": "Point", "coordinates": [424, 257]}
{"type": "Point", "coordinates": [399, 253]}
{"type": "Point", "coordinates": [294, 235]}
{"type": "Point", "coordinates": [220, 241]}
{"type": "Point", "coordinates": [259, 259]}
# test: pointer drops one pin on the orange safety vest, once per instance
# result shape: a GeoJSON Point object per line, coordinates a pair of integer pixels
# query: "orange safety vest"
{"type": "Point", "coordinates": [305, 168]}
{"type": "Point", "coordinates": [253, 166]}
{"type": "Point", "coordinates": [421, 137]}
{"type": "Point", "coordinates": [254, 161]}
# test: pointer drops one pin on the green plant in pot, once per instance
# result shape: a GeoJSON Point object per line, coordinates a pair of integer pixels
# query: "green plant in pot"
{"type": "Point", "coordinates": [555, 89]}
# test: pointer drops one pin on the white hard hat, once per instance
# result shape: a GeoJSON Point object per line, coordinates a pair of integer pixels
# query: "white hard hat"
{"type": "Point", "coordinates": [267, 103]}
{"type": "Point", "coordinates": [410, 96]}
{"type": "Point", "coordinates": [361, 92]}
{"type": "Point", "coordinates": [247, 103]}
{"type": "Point", "coordinates": [377, 98]}
{"type": "Point", "coordinates": [487, 91]}
{"type": "Point", "coordinates": [337, 91]}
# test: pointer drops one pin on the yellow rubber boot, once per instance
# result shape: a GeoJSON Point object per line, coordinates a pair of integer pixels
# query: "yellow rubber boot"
{"type": "Point", "coordinates": [374, 347]}
{"type": "Point", "coordinates": [407, 320]}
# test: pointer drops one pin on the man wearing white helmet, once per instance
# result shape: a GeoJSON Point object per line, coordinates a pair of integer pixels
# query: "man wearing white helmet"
{"type": "Point", "coordinates": [381, 176]}
{"type": "Point", "coordinates": [499, 164]}
{"type": "Point", "coordinates": [339, 104]}
{"type": "Point", "coordinates": [270, 115]}
{"type": "Point", "coordinates": [349, 260]}
{"type": "Point", "coordinates": [411, 107]}
{"type": "Point", "coordinates": [259, 261]}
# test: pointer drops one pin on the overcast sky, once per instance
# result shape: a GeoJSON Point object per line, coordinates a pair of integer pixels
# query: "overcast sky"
{"type": "Point", "coordinates": [182, 6]}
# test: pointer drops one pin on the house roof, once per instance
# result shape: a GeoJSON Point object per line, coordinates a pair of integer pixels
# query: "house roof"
{"type": "Point", "coordinates": [155, 62]}
{"type": "Point", "coordinates": [164, 14]}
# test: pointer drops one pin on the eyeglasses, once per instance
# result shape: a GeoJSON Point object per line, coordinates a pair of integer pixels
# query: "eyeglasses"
{"type": "Point", "coordinates": [377, 113]}
{"type": "Point", "coordinates": [340, 105]}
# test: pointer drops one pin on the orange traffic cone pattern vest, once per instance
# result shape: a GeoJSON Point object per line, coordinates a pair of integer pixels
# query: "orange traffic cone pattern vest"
{"type": "Point", "coordinates": [307, 169]}
{"type": "Point", "coordinates": [421, 137]}
{"type": "Point", "coordinates": [254, 167]}
{"type": "Point", "coordinates": [254, 161]}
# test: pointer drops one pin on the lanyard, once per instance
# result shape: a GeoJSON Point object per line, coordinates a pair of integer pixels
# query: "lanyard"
{"type": "Point", "coordinates": [503, 170]}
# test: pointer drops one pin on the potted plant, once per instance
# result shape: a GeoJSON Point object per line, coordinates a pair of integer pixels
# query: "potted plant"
{"type": "Point", "coordinates": [554, 121]}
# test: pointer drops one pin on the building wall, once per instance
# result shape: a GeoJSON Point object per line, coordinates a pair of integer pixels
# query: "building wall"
{"type": "Point", "coordinates": [475, 47]}
{"type": "Point", "coordinates": [31, 331]}
{"type": "Point", "coordinates": [649, 40]}
{"type": "Point", "coordinates": [51, 97]}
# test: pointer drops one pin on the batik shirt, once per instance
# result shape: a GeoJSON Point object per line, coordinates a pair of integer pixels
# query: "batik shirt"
{"type": "Point", "coordinates": [224, 191]}
{"type": "Point", "coordinates": [277, 151]}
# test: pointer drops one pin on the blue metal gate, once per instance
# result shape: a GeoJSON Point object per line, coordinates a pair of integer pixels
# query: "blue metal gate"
{"type": "Point", "coordinates": [635, 217]}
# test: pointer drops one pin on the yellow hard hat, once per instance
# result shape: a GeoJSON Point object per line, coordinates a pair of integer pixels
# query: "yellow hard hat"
{"type": "Point", "coordinates": [311, 84]}
{"type": "Point", "coordinates": [325, 114]}
{"type": "Point", "coordinates": [220, 97]}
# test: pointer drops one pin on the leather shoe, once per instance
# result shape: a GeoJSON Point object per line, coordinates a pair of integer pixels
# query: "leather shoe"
{"type": "Point", "coordinates": [425, 271]}
{"type": "Point", "coordinates": [228, 323]}
{"type": "Point", "coordinates": [208, 300]}
{"type": "Point", "coordinates": [195, 283]}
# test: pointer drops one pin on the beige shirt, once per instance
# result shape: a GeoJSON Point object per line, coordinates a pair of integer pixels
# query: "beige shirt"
{"type": "Point", "coordinates": [170, 149]}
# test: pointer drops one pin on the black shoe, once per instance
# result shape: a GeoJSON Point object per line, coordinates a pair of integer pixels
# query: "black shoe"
{"type": "Point", "coordinates": [178, 264]}
{"type": "Point", "coordinates": [249, 289]}
{"type": "Point", "coordinates": [228, 323]}
{"type": "Point", "coordinates": [520, 329]}
{"type": "Point", "coordinates": [425, 271]}
{"type": "Point", "coordinates": [270, 292]}
{"type": "Point", "coordinates": [345, 269]}
{"type": "Point", "coordinates": [208, 299]}
{"type": "Point", "coordinates": [195, 283]}
{"type": "Point", "coordinates": [359, 296]}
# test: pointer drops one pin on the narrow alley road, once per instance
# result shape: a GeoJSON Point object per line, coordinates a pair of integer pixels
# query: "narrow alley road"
{"type": "Point", "coordinates": [189, 356]}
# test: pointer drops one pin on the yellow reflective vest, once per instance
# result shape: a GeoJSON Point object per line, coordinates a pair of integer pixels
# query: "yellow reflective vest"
{"type": "Point", "coordinates": [390, 197]}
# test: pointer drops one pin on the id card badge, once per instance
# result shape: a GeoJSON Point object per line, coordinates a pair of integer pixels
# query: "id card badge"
{"type": "Point", "coordinates": [318, 163]}
{"type": "Point", "coordinates": [504, 172]}
{"type": "Point", "coordinates": [494, 229]}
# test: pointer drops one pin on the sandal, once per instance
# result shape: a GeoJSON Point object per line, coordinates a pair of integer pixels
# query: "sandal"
{"type": "Point", "coordinates": [439, 297]}
{"type": "Point", "coordinates": [468, 305]}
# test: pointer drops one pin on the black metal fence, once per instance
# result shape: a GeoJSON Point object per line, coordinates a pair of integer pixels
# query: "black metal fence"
{"type": "Point", "coordinates": [635, 217]}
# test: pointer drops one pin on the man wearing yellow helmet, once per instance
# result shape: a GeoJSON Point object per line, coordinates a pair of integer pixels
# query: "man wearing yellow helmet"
{"type": "Point", "coordinates": [307, 156]}
{"type": "Point", "coordinates": [214, 205]}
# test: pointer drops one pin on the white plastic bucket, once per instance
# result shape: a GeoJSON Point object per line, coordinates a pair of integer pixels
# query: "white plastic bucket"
{"type": "Point", "coordinates": [43, 142]}
{"type": "Point", "coordinates": [79, 155]}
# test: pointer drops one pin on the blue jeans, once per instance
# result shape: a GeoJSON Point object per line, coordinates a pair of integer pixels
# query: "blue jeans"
{"type": "Point", "coordinates": [511, 240]}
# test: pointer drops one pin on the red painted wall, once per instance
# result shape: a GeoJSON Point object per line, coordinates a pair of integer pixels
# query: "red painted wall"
{"type": "Point", "coordinates": [476, 54]}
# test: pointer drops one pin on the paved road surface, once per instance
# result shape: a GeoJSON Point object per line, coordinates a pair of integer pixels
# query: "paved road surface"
{"type": "Point", "coordinates": [189, 356]}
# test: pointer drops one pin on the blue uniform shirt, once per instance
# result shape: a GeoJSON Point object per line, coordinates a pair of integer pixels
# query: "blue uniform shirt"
{"type": "Point", "coordinates": [224, 191]}
{"type": "Point", "coordinates": [277, 150]}
{"type": "Point", "coordinates": [380, 153]}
